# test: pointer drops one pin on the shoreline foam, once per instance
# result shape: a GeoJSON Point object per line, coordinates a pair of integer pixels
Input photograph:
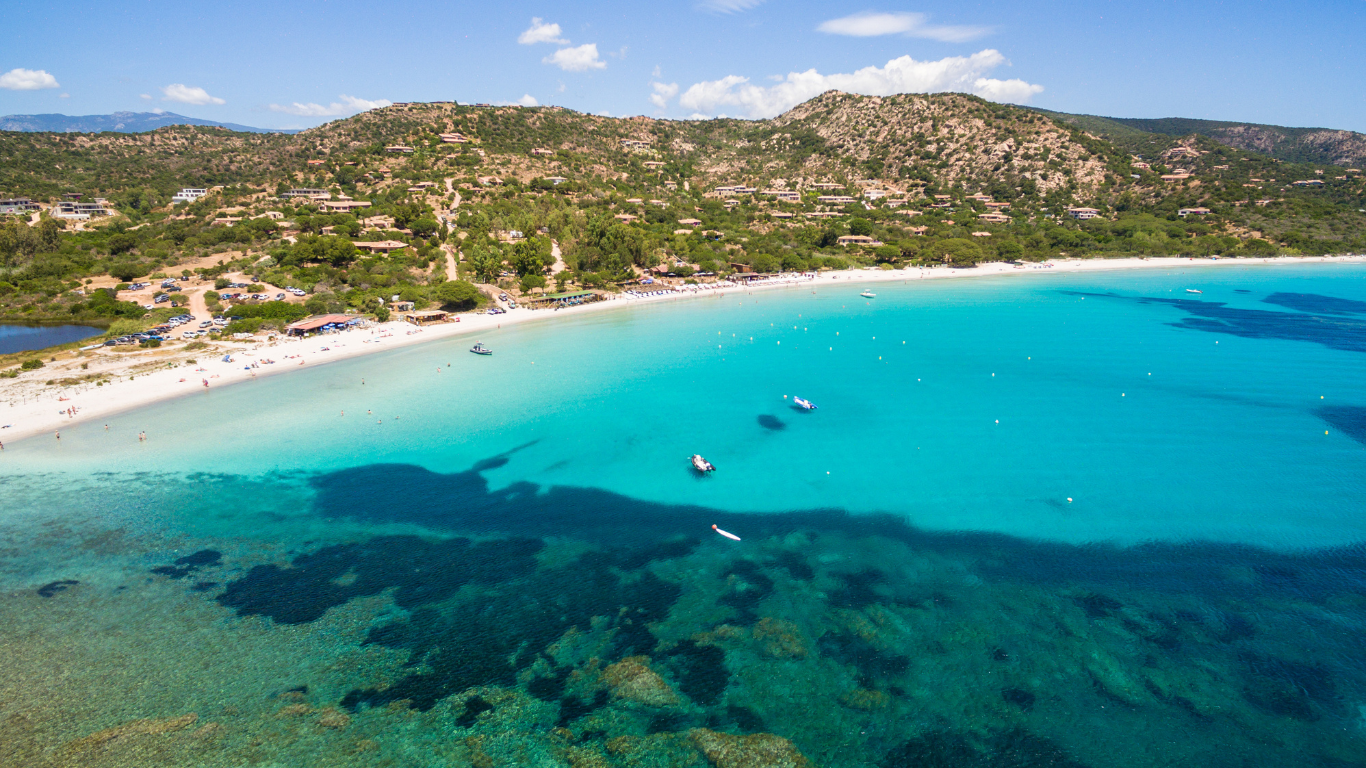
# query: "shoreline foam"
{"type": "Point", "coordinates": [42, 411]}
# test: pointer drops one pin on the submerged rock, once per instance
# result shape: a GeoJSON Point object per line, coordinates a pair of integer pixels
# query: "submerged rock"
{"type": "Point", "coordinates": [780, 639]}
{"type": "Point", "coordinates": [865, 700]}
{"type": "Point", "coordinates": [149, 727]}
{"type": "Point", "coordinates": [758, 750]}
{"type": "Point", "coordinates": [633, 680]}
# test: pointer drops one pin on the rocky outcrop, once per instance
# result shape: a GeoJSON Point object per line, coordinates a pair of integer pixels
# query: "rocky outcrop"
{"type": "Point", "coordinates": [757, 750]}
{"type": "Point", "coordinates": [632, 680]}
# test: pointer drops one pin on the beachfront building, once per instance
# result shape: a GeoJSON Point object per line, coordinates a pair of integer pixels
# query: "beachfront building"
{"type": "Point", "coordinates": [556, 180]}
{"type": "Point", "coordinates": [319, 323]}
{"type": "Point", "coordinates": [555, 300]}
{"type": "Point", "coordinates": [690, 222]}
{"type": "Point", "coordinates": [542, 152]}
{"type": "Point", "coordinates": [654, 165]}
{"type": "Point", "coordinates": [1083, 213]}
{"type": "Point", "coordinates": [1193, 212]}
{"type": "Point", "coordinates": [857, 240]}
{"type": "Point", "coordinates": [827, 185]}
{"type": "Point", "coordinates": [453, 138]}
{"type": "Point", "coordinates": [1308, 183]}
{"type": "Point", "coordinates": [994, 218]}
{"type": "Point", "coordinates": [399, 148]}
{"type": "Point", "coordinates": [189, 195]}
{"type": "Point", "coordinates": [427, 317]}
{"type": "Point", "coordinates": [835, 199]}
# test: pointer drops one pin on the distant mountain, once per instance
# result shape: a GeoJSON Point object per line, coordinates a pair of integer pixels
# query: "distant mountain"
{"type": "Point", "coordinates": [119, 122]}
{"type": "Point", "coordinates": [1296, 145]}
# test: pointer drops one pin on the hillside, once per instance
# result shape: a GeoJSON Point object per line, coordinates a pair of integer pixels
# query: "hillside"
{"type": "Point", "coordinates": [1298, 145]}
{"type": "Point", "coordinates": [941, 179]}
{"type": "Point", "coordinates": [120, 122]}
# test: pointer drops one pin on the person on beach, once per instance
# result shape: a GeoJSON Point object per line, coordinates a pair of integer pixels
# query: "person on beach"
{"type": "Point", "coordinates": [59, 434]}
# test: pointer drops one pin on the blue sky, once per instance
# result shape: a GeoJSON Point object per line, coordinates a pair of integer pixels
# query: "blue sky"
{"type": "Point", "coordinates": [298, 64]}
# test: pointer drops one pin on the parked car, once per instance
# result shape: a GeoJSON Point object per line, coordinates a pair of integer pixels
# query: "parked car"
{"type": "Point", "coordinates": [161, 297]}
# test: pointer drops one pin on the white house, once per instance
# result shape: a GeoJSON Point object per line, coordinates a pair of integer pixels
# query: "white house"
{"type": "Point", "coordinates": [189, 195]}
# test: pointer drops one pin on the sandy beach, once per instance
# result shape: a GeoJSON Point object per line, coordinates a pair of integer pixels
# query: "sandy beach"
{"type": "Point", "coordinates": [135, 379]}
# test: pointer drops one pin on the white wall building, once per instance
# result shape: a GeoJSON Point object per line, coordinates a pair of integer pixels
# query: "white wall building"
{"type": "Point", "coordinates": [189, 195]}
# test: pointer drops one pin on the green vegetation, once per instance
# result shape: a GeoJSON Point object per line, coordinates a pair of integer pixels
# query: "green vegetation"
{"type": "Point", "coordinates": [496, 209]}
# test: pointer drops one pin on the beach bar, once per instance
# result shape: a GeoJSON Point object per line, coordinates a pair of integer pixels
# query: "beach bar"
{"type": "Point", "coordinates": [315, 324]}
{"type": "Point", "coordinates": [559, 299]}
{"type": "Point", "coordinates": [427, 316]}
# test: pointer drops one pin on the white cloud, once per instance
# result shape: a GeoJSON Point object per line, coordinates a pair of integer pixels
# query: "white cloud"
{"type": "Point", "coordinates": [728, 6]}
{"type": "Point", "coordinates": [349, 105]}
{"type": "Point", "coordinates": [528, 100]}
{"type": "Point", "coordinates": [187, 94]}
{"type": "Point", "coordinates": [965, 74]}
{"type": "Point", "coordinates": [21, 79]}
{"type": "Point", "coordinates": [577, 59]}
{"type": "Point", "coordinates": [870, 24]}
{"type": "Point", "coordinates": [64, 96]}
{"type": "Point", "coordinates": [540, 32]}
{"type": "Point", "coordinates": [662, 93]}
{"type": "Point", "coordinates": [145, 96]}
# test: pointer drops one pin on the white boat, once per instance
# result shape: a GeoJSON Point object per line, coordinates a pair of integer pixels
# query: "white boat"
{"type": "Point", "coordinates": [1192, 290]}
{"type": "Point", "coordinates": [868, 295]}
{"type": "Point", "coordinates": [803, 402]}
{"type": "Point", "coordinates": [480, 349]}
{"type": "Point", "coordinates": [700, 464]}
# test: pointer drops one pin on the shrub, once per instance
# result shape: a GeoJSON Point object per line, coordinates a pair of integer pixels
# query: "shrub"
{"type": "Point", "coordinates": [150, 343]}
{"type": "Point", "coordinates": [29, 365]}
{"type": "Point", "coordinates": [457, 294]}
{"type": "Point", "coordinates": [221, 283]}
{"type": "Point", "coordinates": [127, 271]}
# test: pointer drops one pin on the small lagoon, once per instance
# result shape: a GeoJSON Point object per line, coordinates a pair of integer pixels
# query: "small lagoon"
{"type": "Point", "coordinates": [1043, 520]}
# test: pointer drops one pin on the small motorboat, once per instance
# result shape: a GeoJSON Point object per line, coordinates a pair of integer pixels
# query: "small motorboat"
{"type": "Point", "coordinates": [700, 464]}
{"type": "Point", "coordinates": [1192, 290]}
{"type": "Point", "coordinates": [803, 402]}
{"type": "Point", "coordinates": [480, 349]}
{"type": "Point", "coordinates": [868, 295]}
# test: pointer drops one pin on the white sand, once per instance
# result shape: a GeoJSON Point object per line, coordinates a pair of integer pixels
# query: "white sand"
{"type": "Point", "coordinates": [32, 408]}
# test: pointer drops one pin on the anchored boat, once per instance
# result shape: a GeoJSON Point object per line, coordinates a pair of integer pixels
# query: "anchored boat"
{"type": "Point", "coordinates": [480, 349]}
{"type": "Point", "coordinates": [700, 464]}
{"type": "Point", "coordinates": [803, 402]}
{"type": "Point", "coordinates": [1192, 290]}
{"type": "Point", "coordinates": [868, 295]}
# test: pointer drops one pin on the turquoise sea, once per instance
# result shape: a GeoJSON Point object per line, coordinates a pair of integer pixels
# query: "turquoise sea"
{"type": "Point", "coordinates": [1037, 520]}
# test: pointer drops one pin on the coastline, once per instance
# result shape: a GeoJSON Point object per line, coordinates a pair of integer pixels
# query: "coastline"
{"type": "Point", "coordinates": [34, 408]}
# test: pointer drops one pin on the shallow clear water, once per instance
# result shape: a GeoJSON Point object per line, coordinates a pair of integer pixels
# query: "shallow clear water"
{"type": "Point", "coordinates": [1024, 504]}
{"type": "Point", "coordinates": [22, 338]}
